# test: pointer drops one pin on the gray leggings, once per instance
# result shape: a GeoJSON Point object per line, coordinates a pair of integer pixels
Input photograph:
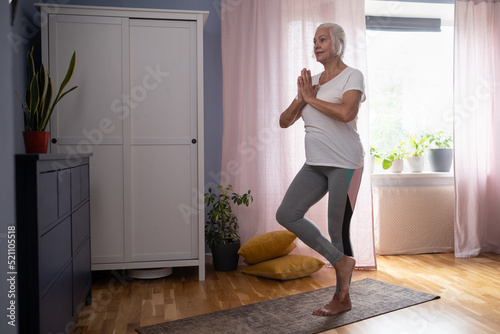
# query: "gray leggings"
{"type": "Point", "coordinates": [309, 186]}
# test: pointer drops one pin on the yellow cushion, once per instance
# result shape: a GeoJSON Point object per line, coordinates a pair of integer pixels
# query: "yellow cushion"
{"type": "Point", "coordinates": [286, 267]}
{"type": "Point", "coordinates": [267, 246]}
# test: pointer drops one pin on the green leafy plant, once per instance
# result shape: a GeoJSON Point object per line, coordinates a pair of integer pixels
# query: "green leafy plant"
{"type": "Point", "coordinates": [38, 105]}
{"type": "Point", "coordinates": [418, 144]}
{"type": "Point", "coordinates": [440, 140]}
{"type": "Point", "coordinates": [374, 152]}
{"type": "Point", "coordinates": [222, 224]}
{"type": "Point", "coordinates": [399, 153]}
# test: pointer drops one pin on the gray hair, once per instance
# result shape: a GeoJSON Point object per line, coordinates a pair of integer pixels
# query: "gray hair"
{"type": "Point", "coordinates": [338, 37]}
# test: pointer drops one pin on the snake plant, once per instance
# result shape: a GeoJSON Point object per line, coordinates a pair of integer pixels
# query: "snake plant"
{"type": "Point", "coordinates": [38, 105]}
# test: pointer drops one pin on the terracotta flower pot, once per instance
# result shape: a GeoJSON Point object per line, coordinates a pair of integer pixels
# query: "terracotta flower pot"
{"type": "Point", "coordinates": [36, 141]}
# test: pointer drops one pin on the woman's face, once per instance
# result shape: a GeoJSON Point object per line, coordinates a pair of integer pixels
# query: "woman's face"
{"type": "Point", "coordinates": [323, 45]}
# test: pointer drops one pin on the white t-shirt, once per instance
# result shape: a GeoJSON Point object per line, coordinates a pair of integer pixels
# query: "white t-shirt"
{"type": "Point", "coordinates": [329, 142]}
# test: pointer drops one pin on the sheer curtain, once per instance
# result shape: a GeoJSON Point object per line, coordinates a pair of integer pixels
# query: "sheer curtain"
{"type": "Point", "coordinates": [265, 44]}
{"type": "Point", "coordinates": [477, 127]}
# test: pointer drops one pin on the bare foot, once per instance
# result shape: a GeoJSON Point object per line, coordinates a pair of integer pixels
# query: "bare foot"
{"type": "Point", "coordinates": [335, 306]}
{"type": "Point", "coordinates": [344, 269]}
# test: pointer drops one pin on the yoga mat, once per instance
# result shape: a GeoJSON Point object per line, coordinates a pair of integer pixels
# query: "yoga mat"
{"type": "Point", "coordinates": [293, 314]}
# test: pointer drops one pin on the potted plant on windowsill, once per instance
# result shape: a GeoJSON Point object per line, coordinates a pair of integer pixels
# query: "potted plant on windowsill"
{"type": "Point", "coordinates": [375, 158]}
{"type": "Point", "coordinates": [393, 161]}
{"type": "Point", "coordinates": [221, 230]}
{"type": "Point", "coordinates": [441, 152]}
{"type": "Point", "coordinates": [38, 104]}
{"type": "Point", "coordinates": [418, 144]}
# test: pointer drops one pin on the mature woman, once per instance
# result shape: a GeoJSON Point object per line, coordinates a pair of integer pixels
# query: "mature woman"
{"type": "Point", "coordinates": [328, 103]}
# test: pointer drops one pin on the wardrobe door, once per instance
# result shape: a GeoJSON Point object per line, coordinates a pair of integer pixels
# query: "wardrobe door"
{"type": "Point", "coordinates": [90, 119]}
{"type": "Point", "coordinates": [163, 141]}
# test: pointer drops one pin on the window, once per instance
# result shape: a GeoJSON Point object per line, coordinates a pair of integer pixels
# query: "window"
{"type": "Point", "coordinates": [410, 84]}
{"type": "Point", "coordinates": [410, 79]}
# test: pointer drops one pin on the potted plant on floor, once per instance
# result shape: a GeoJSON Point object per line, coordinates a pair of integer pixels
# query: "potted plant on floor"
{"type": "Point", "coordinates": [441, 152]}
{"type": "Point", "coordinates": [415, 159]}
{"type": "Point", "coordinates": [221, 230]}
{"type": "Point", "coordinates": [394, 159]}
{"type": "Point", "coordinates": [38, 104]}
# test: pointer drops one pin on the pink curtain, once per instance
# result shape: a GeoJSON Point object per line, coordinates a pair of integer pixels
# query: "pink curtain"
{"type": "Point", "coordinates": [265, 44]}
{"type": "Point", "coordinates": [477, 127]}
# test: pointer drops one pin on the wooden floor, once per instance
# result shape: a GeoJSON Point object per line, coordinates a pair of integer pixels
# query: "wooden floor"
{"type": "Point", "coordinates": [469, 291]}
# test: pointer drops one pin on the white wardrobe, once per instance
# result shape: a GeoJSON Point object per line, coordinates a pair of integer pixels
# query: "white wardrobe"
{"type": "Point", "coordinates": [139, 110]}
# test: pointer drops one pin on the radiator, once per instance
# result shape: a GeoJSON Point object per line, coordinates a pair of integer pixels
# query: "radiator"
{"type": "Point", "coordinates": [414, 219]}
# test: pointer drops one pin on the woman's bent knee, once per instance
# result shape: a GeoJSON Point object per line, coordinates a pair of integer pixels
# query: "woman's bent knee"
{"type": "Point", "coordinates": [284, 216]}
{"type": "Point", "coordinates": [287, 216]}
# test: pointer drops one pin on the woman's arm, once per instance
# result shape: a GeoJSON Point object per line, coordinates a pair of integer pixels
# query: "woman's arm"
{"type": "Point", "coordinates": [292, 113]}
{"type": "Point", "coordinates": [345, 111]}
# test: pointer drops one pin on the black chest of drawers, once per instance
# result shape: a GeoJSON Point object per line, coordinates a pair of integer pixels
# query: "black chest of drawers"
{"type": "Point", "coordinates": [53, 239]}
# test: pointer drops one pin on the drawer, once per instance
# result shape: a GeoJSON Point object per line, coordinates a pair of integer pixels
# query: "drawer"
{"type": "Point", "coordinates": [54, 253]}
{"type": "Point", "coordinates": [80, 225]}
{"type": "Point", "coordinates": [47, 199]}
{"type": "Point", "coordinates": [64, 188]}
{"type": "Point", "coordinates": [76, 186]}
{"type": "Point", "coordinates": [56, 307]}
{"type": "Point", "coordinates": [85, 186]}
{"type": "Point", "coordinates": [82, 276]}
{"type": "Point", "coordinates": [79, 184]}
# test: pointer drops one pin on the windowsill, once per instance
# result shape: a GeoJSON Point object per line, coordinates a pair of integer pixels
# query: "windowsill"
{"type": "Point", "coordinates": [384, 179]}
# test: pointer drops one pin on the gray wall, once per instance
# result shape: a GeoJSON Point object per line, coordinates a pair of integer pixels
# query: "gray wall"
{"type": "Point", "coordinates": [14, 44]}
